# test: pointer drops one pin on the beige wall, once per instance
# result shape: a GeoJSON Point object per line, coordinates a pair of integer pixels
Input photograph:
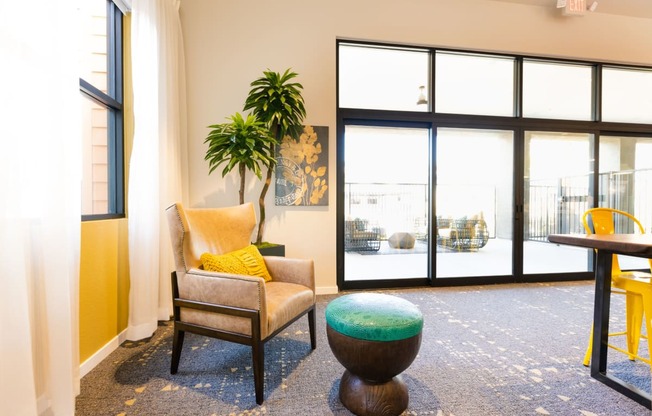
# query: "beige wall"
{"type": "Point", "coordinates": [229, 43]}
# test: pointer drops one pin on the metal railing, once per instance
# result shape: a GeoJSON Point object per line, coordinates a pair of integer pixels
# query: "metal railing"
{"type": "Point", "coordinates": [556, 206]}
{"type": "Point", "coordinates": [389, 206]}
{"type": "Point", "coordinates": [551, 206]}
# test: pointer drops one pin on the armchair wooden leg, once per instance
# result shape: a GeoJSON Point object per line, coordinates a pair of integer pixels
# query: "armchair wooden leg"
{"type": "Point", "coordinates": [312, 324]}
{"type": "Point", "coordinates": [177, 344]}
{"type": "Point", "coordinates": [258, 355]}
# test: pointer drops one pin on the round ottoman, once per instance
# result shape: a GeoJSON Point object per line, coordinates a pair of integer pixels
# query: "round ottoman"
{"type": "Point", "coordinates": [375, 337]}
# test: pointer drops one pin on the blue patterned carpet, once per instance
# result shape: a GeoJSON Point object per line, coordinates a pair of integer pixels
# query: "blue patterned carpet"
{"type": "Point", "coordinates": [486, 350]}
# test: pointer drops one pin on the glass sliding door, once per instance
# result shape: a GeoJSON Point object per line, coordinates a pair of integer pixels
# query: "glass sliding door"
{"type": "Point", "coordinates": [386, 202]}
{"type": "Point", "coordinates": [626, 184]}
{"type": "Point", "coordinates": [558, 177]}
{"type": "Point", "coordinates": [474, 202]}
{"type": "Point", "coordinates": [455, 166]}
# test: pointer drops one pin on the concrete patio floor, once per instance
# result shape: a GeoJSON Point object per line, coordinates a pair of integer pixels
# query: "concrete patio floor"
{"type": "Point", "coordinates": [492, 260]}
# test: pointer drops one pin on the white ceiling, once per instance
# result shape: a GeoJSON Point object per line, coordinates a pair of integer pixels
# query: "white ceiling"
{"type": "Point", "coordinates": [633, 8]}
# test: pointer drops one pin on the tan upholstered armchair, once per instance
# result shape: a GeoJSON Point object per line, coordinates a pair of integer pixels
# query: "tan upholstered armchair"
{"type": "Point", "coordinates": [237, 308]}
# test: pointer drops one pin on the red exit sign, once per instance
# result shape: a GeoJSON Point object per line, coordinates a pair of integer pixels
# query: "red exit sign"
{"type": "Point", "coordinates": [575, 7]}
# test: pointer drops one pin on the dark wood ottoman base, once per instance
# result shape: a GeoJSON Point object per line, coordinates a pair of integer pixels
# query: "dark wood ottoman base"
{"type": "Point", "coordinates": [371, 384]}
{"type": "Point", "coordinates": [367, 398]}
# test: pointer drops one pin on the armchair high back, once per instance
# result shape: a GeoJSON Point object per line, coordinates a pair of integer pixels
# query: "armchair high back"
{"type": "Point", "coordinates": [233, 307]}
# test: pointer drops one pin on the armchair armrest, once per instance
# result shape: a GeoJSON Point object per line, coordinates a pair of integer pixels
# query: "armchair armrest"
{"type": "Point", "coordinates": [289, 270]}
{"type": "Point", "coordinates": [233, 304]}
{"type": "Point", "coordinates": [223, 289]}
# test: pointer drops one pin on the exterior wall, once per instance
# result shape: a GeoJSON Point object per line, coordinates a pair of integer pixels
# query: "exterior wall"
{"type": "Point", "coordinates": [94, 66]}
{"type": "Point", "coordinates": [230, 43]}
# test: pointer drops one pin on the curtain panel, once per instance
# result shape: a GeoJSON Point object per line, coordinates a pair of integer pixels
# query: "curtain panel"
{"type": "Point", "coordinates": [40, 207]}
{"type": "Point", "coordinates": [155, 168]}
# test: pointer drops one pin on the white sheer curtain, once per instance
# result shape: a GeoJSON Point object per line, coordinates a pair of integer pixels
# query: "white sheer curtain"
{"type": "Point", "coordinates": [40, 207]}
{"type": "Point", "coordinates": [156, 160]}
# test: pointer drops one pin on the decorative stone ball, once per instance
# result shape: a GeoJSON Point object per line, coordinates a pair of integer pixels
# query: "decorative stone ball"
{"type": "Point", "coordinates": [401, 240]}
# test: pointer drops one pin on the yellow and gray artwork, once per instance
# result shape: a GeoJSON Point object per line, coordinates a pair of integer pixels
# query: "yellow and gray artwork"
{"type": "Point", "coordinates": [302, 168]}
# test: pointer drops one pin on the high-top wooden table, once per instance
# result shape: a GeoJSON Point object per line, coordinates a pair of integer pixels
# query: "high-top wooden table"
{"type": "Point", "coordinates": [606, 246]}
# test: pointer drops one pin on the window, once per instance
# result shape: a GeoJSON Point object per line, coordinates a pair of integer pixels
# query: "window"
{"type": "Point", "coordinates": [464, 180]}
{"type": "Point", "coordinates": [100, 85]}
{"type": "Point", "coordinates": [627, 95]}
{"type": "Point", "coordinates": [557, 91]}
{"type": "Point", "coordinates": [383, 78]}
{"type": "Point", "coordinates": [474, 84]}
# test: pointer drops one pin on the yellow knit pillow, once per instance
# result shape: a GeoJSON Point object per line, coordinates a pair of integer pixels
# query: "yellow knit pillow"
{"type": "Point", "coordinates": [247, 261]}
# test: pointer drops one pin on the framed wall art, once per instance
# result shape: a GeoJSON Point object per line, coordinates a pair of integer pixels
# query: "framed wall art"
{"type": "Point", "coordinates": [302, 168]}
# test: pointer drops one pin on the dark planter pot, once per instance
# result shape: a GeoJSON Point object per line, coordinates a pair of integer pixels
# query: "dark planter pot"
{"type": "Point", "coordinates": [277, 250]}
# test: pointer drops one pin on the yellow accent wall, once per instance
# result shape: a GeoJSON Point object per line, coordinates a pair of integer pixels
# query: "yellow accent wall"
{"type": "Point", "coordinates": [103, 285]}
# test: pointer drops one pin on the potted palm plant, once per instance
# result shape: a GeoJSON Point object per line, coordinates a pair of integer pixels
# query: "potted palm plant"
{"type": "Point", "coordinates": [276, 101]}
{"type": "Point", "coordinates": [245, 143]}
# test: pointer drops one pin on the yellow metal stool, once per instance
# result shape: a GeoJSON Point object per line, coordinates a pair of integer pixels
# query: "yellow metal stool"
{"type": "Point", "coordinates": [636, 286]}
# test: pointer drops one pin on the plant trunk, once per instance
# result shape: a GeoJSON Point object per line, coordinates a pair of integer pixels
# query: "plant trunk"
{"type": "Point", "coordinates": [261, 205]}
{"type": "Point", "coordinates": [268, 180]}
{"type": "Point", "coordinates": [243, 171]}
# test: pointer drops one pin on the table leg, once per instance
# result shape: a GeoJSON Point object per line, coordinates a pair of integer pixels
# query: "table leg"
{"type": "Point", "coordinates": [601, 312]}
{"type": "Point", "coordinates": [601, 333]}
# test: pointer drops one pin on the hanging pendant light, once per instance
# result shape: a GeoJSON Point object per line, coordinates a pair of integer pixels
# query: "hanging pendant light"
{"type": "Point", "coordinates": [422, 96]}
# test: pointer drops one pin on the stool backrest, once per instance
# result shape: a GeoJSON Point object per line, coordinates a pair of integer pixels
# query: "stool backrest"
{"type": "Point", "coordinates": [612, 221]}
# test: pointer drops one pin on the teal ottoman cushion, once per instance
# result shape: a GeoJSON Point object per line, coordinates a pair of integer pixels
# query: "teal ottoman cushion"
{"type": "Point", "coordinates": [374, 317]}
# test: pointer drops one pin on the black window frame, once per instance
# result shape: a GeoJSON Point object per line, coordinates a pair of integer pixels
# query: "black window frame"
{"type": "Point", "coordinates": [113, 103]}
{"type": "Point", "coordinates": [517, 123]}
